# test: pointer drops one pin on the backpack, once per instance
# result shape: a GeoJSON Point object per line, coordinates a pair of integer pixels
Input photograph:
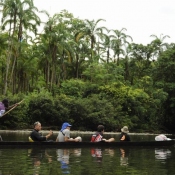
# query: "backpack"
{"type": "Point", "coordinates": [96, 137]}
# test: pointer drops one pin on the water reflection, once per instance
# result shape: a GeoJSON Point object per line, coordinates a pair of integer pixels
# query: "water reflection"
{"type": "Point", "coordinates": [63, 156]}
{"type": "Point", "coordinates": [124, 153]}
{"type": "Point", "coordinates": [162, 154]}
{"type": "Point", "coordinates": [77, 152]}
{"type": "Point", "coordinates": [98, 153]}
{"type": "Point", "coordinates": [118, 160]}
{"type": "Point", "coordinates": [110, 152]}
{"type": "Point", "coordinates": [37, 155]}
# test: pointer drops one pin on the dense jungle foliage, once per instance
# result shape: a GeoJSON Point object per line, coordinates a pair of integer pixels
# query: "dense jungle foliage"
{"type": "Point", "coordinates": [68, 69]}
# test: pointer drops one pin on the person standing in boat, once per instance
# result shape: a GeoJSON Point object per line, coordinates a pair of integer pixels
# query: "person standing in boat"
{"type": "Point", "coordinates": [124, 134]}
{"type": "Point", "coordinates": [36, 136]}
{"type": "Point", "coordinates": [64, 134]}
{"type": "Point", "coordinates": [4, 105]}
{"type": "Point", "coordinates": [98, 136]}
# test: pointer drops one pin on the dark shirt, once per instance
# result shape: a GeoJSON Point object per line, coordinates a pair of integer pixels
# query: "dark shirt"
{"type": "Point", "coordinates": [36, 136]}
{"type": "Point", "coordinates": [127, 137]}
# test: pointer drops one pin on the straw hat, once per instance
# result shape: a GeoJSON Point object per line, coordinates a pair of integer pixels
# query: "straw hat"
{"type": "Point", "coordinates": [125, 129]}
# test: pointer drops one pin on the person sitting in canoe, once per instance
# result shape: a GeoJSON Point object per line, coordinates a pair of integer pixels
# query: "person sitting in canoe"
{"type": "Point", "coordinates": [4, 105]}
{"type": "Point", "coordinates": [36, 136]}
{"type": "Point", "coordinates": [124, 134]}
{"type": "Point", "coordinates": [98, 136]}
{"type": "Point", "coordinates": [161, 137]}
{"type": "Point", "coordinates": [64, 134]}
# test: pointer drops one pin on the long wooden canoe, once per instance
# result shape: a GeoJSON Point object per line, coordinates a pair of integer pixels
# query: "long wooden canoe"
{"type": "Point", "coordinates": [21, 144]}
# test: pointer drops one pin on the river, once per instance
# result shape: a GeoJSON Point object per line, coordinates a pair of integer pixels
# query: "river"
{"type": "Point", "coordinates": [86, 161]}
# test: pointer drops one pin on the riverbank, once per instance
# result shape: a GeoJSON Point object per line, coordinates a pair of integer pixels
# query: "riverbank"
{"type": "Point", "coordinates": [76, 132]}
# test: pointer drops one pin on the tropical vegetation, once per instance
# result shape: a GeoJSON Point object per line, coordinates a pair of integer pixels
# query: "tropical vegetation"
{"type": "Point", "coordinates": [69, 69]}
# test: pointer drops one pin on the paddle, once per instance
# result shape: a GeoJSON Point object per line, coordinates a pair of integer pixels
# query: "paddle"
{"type": "Point", "coordinates": [12, 108]}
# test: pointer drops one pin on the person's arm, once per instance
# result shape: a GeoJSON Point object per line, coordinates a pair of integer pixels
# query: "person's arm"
{"type": "Point", "coordinates": [16, 104]}
{"type": "Point", "coordinates": [48, 135]}
{"type": "Point", "coordinates": [37, 137]}
{"type": "Point", "coordinates": [109, 140]}
{"type": "Point", "coordinates": [40, 138]}
{"type": "Point", "coordinates": [67, 139]}
{"type": "Point", "coordinates": [123, 138]}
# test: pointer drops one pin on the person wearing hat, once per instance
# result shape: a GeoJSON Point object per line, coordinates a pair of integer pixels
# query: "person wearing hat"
{"type": "Point", "coordinates": [98, 136]}
{"type": "Point", "coordinates": [64, 134]}
{"type": "Point", "coordinates": [124, 134]}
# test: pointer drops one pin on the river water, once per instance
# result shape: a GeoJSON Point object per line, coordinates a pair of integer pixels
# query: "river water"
{"type": "Point", "coordinates": [86, 161]}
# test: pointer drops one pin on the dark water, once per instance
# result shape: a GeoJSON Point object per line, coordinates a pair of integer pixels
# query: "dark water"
{"type": "Point", "coordinates": [87, 161]}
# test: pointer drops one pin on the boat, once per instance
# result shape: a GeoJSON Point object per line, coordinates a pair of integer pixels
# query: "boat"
{"type": "Point", "coordinates": [50, 144]}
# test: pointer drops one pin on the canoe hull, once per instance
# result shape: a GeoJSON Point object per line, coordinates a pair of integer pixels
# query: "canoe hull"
{"type": "Point", "coordinates": [11, 144]}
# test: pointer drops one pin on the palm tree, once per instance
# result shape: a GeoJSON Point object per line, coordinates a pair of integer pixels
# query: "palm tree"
{"type": "Point", "coordinates": [55, 44]}
{"type": "Point", "coordinates": [81, 50]}
{"type": "Point", "coordinates": [158, 44]}
{"type": "Point", "coordinates": [96, 35]}
{"type": "Point", "coordinates": [20, 14]}
{"type": "Point", "coordinates": [3, 53]}
{"type": "Point", "coordinates": [128, 52]}
{"type": "Point", "coordinates": [9, 13]}
{"type": "Point", "coordinates": [118, 41]}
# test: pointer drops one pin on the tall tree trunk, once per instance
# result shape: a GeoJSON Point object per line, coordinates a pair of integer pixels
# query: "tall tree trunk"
{"type": "Point", "coordinates": [77, 65]}
{"type": "Point", "coordinates": [7, 69]}
{"type": "Point", "coordinates": [8, 62]}
{"type": "Point", "coordinates": [108, 55]}
{"type": "Point", "coordinates": [118, 59]}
